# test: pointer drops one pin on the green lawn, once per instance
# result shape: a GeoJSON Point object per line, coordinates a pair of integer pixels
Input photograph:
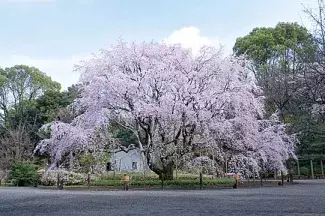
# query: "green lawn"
{"type": "Point", "coordinates": [157, 182]}
{"type": "Point", "coordinates": [152, 179]}
{"type": "Point", "coordinates": [149, 179]}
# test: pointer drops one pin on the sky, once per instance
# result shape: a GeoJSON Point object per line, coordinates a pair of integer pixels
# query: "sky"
{"type": "Point", "coordinates": [54, 35]}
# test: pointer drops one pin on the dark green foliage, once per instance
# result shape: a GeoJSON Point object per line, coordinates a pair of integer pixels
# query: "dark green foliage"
{"type": "Point", "coordinates": [49, 104]}
{"type": "Point", "coordinates": [24, 103]}
{"type": "Point", "coordinates": [26, 84]}
{"type": "Point", "coordinates": [280, 61]}
{"type": "Point", "coordinates": [312, 138]}
{"type": "Point", "coordinates": [24, 174]}
{"type": "Point", "coordinates": [29, 99]}
{"type": "Point", "coordinates": [286, 39]}
{"type": "Point", "coordinates": [305, 171]}
{"type": "Point", "coordinates": [125, 136]}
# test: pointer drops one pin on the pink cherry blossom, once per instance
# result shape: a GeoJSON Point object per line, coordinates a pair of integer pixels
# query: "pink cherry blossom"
{"type": "Point", "coordinates": [175, 103]}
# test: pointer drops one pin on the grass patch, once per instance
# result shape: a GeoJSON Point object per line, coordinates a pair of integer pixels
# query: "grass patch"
{"type": "Point", "coordinates": [151, 179]}
{"type": "Point", "coordinates": [157, 182]}
{"type": "Point", "coordinates": [149, 176]}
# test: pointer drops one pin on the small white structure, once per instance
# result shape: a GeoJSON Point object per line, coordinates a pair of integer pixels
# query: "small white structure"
{"type": "Point", "coordinates": [128, 160]}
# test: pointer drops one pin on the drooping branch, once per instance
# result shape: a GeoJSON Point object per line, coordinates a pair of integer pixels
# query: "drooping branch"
{"type": "Point", "coordinates": [172, 101]}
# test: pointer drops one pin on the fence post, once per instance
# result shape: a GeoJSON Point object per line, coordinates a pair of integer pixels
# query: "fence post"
{"type": "Point", "coordinates": [176, 169]}
{"type": "Point", "coordinates": [162, 181]}
{"type": "Point", "coordinates": [322, 167]}
{"type": "Point", "coordinates": [58, 175]}
{"type": "Point", "coordinates": [88, 181]}
{"type": "Point", "coordinates": [236, 180]}
{"type": "Point", "coordinates": [226, 166]}
{"type": "Point", "coordinates": [298, 168]}
{"type": "Point", "coordinates": [58, 181]}
{"type": "Point", "coordinates": [201, 180]}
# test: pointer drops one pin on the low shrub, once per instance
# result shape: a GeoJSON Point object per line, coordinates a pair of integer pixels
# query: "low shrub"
{"type": "Point", "coordinates": [50, 177]}
{"type": "Point", "coordinates": [24, 174]}
{"type": "Point", "coordinates": [304, 171]}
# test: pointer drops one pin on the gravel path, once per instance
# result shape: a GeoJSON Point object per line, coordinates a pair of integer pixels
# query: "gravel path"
{"type": "Point", "coordinates": [305, 198]}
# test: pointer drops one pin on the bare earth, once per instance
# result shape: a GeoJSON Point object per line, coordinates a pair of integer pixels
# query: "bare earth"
{"type": "Point", "coordinates": [305, 198]}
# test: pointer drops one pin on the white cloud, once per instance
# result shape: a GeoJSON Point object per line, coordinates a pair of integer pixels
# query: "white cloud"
{"type": "Point", "coordinates": [59, 69]}
{"type": "Point", "coordinates": [190, 37]}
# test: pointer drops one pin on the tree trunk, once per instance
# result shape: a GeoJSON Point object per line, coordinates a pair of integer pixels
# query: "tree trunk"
{"type": "Point", "coordinates": [167, 173]}
{"type": "Point", "coordinates": [291, 176]}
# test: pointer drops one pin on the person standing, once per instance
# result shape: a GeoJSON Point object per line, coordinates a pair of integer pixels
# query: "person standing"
{"type": "Point", "coordinates": [126, 181]}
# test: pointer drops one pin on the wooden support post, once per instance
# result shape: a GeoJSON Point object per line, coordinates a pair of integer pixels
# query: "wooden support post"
{"type": "Point", "coordinates": [275, 174]}
{"type": "Point", "coordinates": [253, 176]}
{"type": "Point", "coordinates": [312, 169]}
{"type": "Point", "coordinates": [115, 167]}
{"type": "Point", "coordinates": [236, 181]}
{"type": "Point", "coordinates": [162, 181]}
{"type": "Point", "coordinates": [298, 168]}
{"type": "Point", "coordinates": [201, 180]}
{"type": "Point", "coordinates": [144, 167]}
{"type": "Point", "coordinates": [226, 166]}
{"type": "Point", "coordinates": [58, 183]}
{"type": "Point", "coordinates": [176, 171]}
{"type": "Point", "coordinates": [58, 176]}
{"type": "Point", "coordinates": [214, 170]}
{"type": "Point", "coordinates": [261, 173]}
{"type": "Point", "coordinates": [322, 168]}
{"type": "Point", "coordinates": [88, 180]}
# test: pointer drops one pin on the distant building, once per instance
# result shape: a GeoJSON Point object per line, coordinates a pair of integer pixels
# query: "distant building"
{"type": "Point", "coordinates": [128, 160]}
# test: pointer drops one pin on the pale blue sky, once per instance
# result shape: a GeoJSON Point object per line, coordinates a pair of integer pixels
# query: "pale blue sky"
{"type": "Point", "coordinates": [55, 34]}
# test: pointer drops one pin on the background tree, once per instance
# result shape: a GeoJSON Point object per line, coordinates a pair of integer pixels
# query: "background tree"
{"type": "Point", "coordinates": [15, 145]}
{"type": "Point", "coordinates": [277, 57]}
{"type": "Point", "coordinates": [313, 89]}
{"type": "Point", "coordinates": [283, 61]}
{"type": "Point", "coordinates": [20, 85]}
{"type": "Point", "coordinates": [29, 99]}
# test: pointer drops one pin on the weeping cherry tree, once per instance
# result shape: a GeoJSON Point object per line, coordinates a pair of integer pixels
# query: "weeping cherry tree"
{"type": "Point", "coordinates": [173, 101]}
